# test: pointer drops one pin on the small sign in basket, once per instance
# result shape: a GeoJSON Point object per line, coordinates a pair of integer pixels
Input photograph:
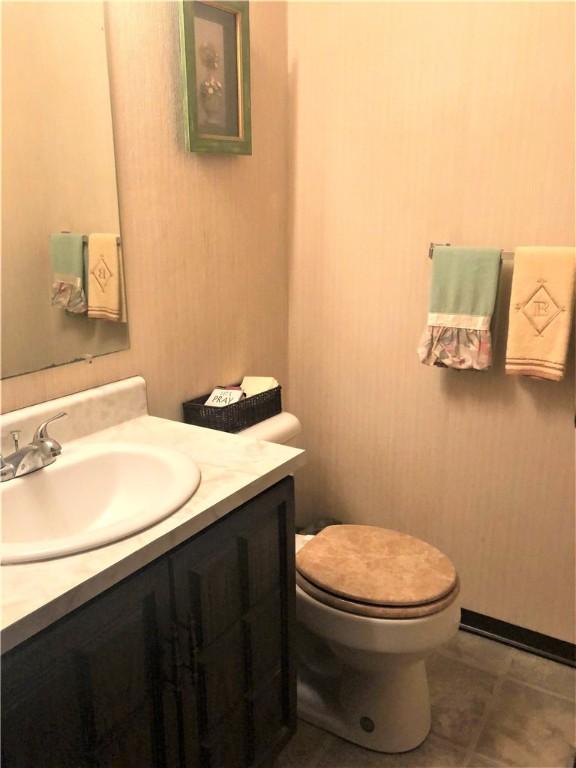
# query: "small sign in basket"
{"type": "Point", "coordinates": [236, 416]}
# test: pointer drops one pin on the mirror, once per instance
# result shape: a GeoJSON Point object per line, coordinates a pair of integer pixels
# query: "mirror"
{"type": "Point", "coordinates": [58, 175]}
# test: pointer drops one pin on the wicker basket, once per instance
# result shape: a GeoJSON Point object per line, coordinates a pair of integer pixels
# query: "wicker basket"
{"type": "Point", "coordinates": [236, 416]}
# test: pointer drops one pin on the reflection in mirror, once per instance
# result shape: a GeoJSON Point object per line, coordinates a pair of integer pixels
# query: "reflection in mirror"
{"type": "Point", "coordinates": [63, 293]}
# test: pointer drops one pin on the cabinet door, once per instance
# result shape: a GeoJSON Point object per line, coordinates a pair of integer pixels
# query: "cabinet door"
{"type": "Point", "coordinates": [234, 601]}
{"type": "Point", "coordinates": [97, 688]}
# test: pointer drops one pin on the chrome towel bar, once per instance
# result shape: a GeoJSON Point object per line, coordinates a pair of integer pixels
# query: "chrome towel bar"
{"type": "Point", "coordinates": [504, 255]}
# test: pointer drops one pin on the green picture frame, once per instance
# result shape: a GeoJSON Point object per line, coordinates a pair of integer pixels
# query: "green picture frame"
{"type": "Point", "coordinates": [215, 55]}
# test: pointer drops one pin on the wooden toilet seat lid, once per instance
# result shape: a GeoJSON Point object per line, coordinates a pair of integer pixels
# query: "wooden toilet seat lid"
{"type": "Point", "coordinates": [373, 565]}
{"type": "Point", "coordinates": [377, 611]}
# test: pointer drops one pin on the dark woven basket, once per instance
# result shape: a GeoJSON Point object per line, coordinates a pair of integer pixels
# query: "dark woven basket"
{"type": "Point", "coordinates": [236, 416]}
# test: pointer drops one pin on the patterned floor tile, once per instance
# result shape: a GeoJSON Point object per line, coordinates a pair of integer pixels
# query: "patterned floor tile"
{"type": "Point", "coordinates": [433, 753]}
{"type": "Point", "coordinates": [459, 696]}
{"type": "Point", "coordinates": [534, 670]}
{"type": "Point", "coordinates": [479, 761]}
{"type": "Point", "coordinates": [308, 744]}
{"type": "Point", "coordinates": [478, 652]}
{"type": "Point", "coordinates": [529, 728]}
{"type": "Point", "coordinates": [476, 685]}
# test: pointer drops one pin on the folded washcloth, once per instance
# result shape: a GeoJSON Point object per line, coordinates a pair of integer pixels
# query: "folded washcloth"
{"type": "Point", "coordinates": [68, 278]}
{"type": "Point", "coordinates": [106, 296]}
{"type": "Point", "coordinates": [462, 299]}
{"type": "Point", "coordinates": [540, 311]}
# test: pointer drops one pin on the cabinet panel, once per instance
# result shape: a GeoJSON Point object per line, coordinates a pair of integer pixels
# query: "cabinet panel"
{"type": "Point", "coordinates": [264, 630]}
{"type": "Point", "coordinates": [188, 719]}
{"type": "Point", "coordinates": [270, 717]}
{"type": "Point", "coordinates": [128, 744]}
{"type": "Point", "coordinates": [186, 664]}
{"type": "Point", "coordinates": [243, 570]}
{"type": "Point", "coordinates": [103, 670]}
{"type": "Point", "coordinates": [227, 747]}
{"type": "Point", "coordinates": [222, 673]}
{"type": "Point", "coordinates": [208, 582]}
{"type": "Point", "coordinates": [259, 541]}
{"type": "Point", "coordinates": [114, 661]}
{"type": "Point", "coordinates": [34, 730]}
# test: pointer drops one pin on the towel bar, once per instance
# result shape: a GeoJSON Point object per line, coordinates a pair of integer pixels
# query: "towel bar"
{"type": "Point", "coordinates": [505, 255]}
{"type": "Point", "coordinates": [85, 237]}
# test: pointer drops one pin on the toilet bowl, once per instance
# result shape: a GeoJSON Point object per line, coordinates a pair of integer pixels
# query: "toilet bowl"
{"type": "Point", "coordinates": [362, 672]}
{"type": "Point", "coordinates": [372, 604]}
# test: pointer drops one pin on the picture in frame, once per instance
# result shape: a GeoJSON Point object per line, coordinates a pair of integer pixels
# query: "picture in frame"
{"type": "Point", "coordinates": [215, 50]}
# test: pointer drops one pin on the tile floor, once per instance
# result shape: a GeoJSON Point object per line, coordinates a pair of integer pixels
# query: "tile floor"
{"type": "Point", "coordinates": [492, 706]}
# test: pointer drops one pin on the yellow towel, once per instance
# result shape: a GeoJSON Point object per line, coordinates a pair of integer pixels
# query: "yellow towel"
{"type": "Point", "coordinates": [540, 312]}
{"type": "Point", "coordinates": [106, 295]}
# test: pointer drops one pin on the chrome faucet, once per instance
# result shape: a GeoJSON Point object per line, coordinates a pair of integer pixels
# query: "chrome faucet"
{"type": "Point", "coordinates": [41, 452]}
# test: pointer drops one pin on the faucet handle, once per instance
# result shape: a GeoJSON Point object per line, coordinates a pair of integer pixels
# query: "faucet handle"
{"type": "Point", "coordinates": [7, 471]}
{"type": "Point", "coordinates": [41, 433]}
{"type": "Point", "coordinates": [15, 434]}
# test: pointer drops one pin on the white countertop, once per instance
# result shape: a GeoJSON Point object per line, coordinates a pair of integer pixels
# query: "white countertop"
{"type": "Point", "coordinates": [234, 470]}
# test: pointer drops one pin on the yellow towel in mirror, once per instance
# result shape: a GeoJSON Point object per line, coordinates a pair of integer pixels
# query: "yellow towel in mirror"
{"type": "Point", "coordinates": [106, 295]}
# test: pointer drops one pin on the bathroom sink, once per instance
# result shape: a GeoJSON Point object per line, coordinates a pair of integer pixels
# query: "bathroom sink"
{"type": "Point", "coordinates": [92, 495]}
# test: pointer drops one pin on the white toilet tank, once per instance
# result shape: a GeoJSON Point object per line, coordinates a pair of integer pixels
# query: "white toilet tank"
{"type": "Point", "coordinates": [283, 428]}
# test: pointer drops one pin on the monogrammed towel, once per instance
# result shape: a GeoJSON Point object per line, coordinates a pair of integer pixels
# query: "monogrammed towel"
{"type": "Point", "coordinates": [106, 297]}
{"type": "Point", "coordinates": [540, 312]}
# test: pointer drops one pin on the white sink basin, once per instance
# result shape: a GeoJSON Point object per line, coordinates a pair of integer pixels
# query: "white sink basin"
{"type": "Point", "coordinates": [92, 495]}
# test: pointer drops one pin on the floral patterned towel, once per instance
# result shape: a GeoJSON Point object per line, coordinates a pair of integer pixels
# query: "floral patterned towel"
{"type": "Point", "coordinates": [462, 298]}
{"type": "Point", "coordinates": [459, 348]}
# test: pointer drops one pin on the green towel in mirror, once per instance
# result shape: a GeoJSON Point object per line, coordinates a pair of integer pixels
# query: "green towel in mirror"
{"type": "Point", "coordinates": [68, 268]}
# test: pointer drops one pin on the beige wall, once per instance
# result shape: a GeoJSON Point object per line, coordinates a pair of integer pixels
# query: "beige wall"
{"type": "Point", "coordinates": [204, 237]}
{"type": "Point", "coordinates": [418, 122]}
{"type": "Point", "coordinates": [409, 123]}
{"type": "Point", "coordinates": [57, 174]}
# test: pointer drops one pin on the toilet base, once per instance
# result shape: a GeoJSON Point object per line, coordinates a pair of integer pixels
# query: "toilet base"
{"type": "Point", "coordinates": [386, 710]}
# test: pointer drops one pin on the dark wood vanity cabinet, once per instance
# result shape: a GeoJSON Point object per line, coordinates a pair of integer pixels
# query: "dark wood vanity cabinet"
{"type": "Point", "coordinates": [185, 664]}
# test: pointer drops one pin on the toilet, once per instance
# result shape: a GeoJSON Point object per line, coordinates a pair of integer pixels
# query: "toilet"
{"type": "Point", "coordinates": [372, 604]}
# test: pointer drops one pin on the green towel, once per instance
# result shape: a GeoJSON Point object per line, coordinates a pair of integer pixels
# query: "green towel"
{"type": "Point", "coordinates": [67, 250]}
{"type": "Point", "coordinates": [464, 287]}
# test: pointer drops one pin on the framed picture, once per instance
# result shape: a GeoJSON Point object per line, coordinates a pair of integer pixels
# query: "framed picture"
{"type": "Point", "coordinates": [215, 49]}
